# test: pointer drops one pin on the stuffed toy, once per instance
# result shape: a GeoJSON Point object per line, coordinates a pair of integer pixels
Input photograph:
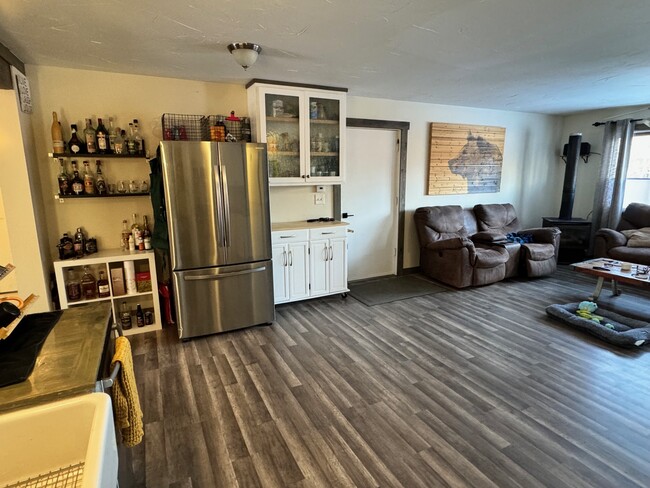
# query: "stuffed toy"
{"type": "Point", "coordinates": [586, 311]}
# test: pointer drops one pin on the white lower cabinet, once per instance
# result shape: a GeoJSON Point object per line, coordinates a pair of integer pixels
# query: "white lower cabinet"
{"type": "Point", "coordinates": [309, 263]}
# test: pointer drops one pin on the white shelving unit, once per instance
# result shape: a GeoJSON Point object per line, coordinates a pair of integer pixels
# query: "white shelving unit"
{"type": "Point", "coordinates": [110, 259]}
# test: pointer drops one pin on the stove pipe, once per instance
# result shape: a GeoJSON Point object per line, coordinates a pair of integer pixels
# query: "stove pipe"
{"type": "Point", "coordinates": [570, 175]}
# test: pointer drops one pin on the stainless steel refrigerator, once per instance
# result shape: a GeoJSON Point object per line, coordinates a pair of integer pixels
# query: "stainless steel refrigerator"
{"type": "Point", "coordinates": [217, 198]}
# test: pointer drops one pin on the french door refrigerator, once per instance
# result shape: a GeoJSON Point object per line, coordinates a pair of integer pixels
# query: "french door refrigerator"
{"type": "Point", "coordinates": [217, 198]}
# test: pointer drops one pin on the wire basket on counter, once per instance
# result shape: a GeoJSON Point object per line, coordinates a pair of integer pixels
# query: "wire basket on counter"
{"type": "Point", "coordinates": [184, 127]}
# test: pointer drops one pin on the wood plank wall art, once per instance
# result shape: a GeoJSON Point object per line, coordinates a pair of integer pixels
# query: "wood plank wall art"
{"type": "Point", "coordinates": [465, 159]}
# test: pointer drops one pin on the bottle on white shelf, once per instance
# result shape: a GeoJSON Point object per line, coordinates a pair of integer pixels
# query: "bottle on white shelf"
{"type": "Point", "coordinates": [131, 243]}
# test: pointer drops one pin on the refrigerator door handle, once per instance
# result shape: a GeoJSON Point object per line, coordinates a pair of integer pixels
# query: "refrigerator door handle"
{"type": "Point", "coordinates": [219, 194]}
{"type": "Point", "coordinates": [226, 204]}
{"type": "Point", "coordinates": [224, 275]}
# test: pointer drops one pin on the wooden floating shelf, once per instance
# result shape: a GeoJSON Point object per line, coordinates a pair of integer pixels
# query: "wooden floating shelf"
{"type": "Point", "coordinates": [112, 195]}
{"type": "Point", "coordinates": [96, 156]}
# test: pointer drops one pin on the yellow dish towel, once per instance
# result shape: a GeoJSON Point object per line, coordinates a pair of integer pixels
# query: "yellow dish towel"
{"type": "Point", "coordinates": [125, 395]}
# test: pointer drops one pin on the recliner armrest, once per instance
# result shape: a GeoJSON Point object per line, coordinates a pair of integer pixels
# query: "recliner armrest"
{"type": "Point", "coordinates": [450, 244]}
{"type": "Point", "coordinates": [612, 238]}
{"type": "Point", "coordinates": [543, 235]}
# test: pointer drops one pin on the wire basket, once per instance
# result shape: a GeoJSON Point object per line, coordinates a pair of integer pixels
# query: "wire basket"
{"type": "Point", "coordinates": [183, 127]}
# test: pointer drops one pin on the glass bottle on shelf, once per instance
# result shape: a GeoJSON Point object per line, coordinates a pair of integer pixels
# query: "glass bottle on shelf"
{"type": "Point", "coordinates": [146, 234]}
{"type": "Point", "coordinates": [120, 144]}
{"type": "Point", "coordinates": [126, 232]}
{"type": "Point", "coordinates": [130, 141]}
{"type": "Point", "coordinates": [139, 316]}
{"type": "Point", "coordinates": [112, 134]}
{"type": "Point", "coordinates": [58, 146]}
{"type": "Point", "coordinates": [103, 290]}
{"type": "Point", "coordinates": [139, 141]}
{"type": "Point", "coordinates": [75, 145]}
{"type": "Point", "coordinates": [125, 316]}
{"type": "Point", "coordinates": [100, 182]}
{"type": "Point", "coordinates": [72, 286]}
{"type": "Point", "coordinates": [77, 183]}
{"type": "Point", "coordinates": [136, 231]}
{"type": "Point", "coordinates": [91, 138]}
{"type": "Point", "coordinates": [79, 242]}
{"type": "Point", "coordinates": [103, 142]}
{"type": "Point", "coordinates": [88, 285]}
{"type": "Point", "coordinates": [89, 181]}
{"type": "Point", "coordinates": [63, 179]}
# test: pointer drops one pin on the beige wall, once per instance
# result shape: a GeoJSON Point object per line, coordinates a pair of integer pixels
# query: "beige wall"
{"type": "Point", "coordinates": [532, 171]}
{"type": "Point", "coordinates": [588, 173]}
{"type": "Point", "coordinates": [20, 186]}
{"type": "Point", "coordinates": [77, 94]}
{"type": "Point", "coordinates": [9, 282]}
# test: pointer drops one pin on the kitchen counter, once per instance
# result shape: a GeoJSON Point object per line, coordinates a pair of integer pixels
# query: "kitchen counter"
{"type": "Point", "coordinates": [70, 361]}
{"type": "Point", "coordinates": [302, 224]}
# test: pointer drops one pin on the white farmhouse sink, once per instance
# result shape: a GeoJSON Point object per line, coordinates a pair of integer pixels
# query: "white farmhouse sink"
{"type": "Point", "coordinates": [70, 437]}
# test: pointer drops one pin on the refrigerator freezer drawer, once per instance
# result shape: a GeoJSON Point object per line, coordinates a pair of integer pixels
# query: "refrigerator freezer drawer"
{"type": "Point", "coordinates": [212, 300]}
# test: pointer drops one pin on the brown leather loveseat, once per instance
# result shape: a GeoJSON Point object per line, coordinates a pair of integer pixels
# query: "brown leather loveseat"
{"type": "Point", "coordinates": [468, 247]}
{"type": "Point", "coordinates": [628, 242]}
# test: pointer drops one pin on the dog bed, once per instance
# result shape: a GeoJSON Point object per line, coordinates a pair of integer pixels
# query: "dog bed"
{"type": "Point", "coordinates": [626, 332]}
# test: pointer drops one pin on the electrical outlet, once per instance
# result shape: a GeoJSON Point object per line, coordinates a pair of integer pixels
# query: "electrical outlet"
{"type": "Point", "coordinates": [319, 199]}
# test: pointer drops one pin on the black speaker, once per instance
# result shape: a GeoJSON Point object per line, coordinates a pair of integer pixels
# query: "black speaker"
{"type": "Point", "coordinates": [585, 149]}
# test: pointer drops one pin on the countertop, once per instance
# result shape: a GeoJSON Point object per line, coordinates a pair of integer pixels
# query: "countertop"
{"type": "Point", "coordinates": [69, 362]}
{"type": "Point", "coordinates": [302, 224]}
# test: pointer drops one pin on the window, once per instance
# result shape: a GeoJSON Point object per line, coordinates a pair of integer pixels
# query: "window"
{"type": "Point", "coordinates": [637, 181]}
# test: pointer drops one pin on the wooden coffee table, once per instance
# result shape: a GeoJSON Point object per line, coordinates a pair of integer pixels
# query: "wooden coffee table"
{"type": "Point", "coordinates": [610, 269]}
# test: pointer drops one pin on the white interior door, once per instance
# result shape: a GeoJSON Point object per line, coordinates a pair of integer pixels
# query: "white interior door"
{"type": "Point", "coordinates": [370, 196]}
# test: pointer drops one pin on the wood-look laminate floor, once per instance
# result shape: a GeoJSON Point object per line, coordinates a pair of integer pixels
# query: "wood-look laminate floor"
{"type": "Point", "coordinates": [472, 388]}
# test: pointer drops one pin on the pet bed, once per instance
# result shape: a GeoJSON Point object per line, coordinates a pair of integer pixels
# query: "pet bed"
{"type": "Point", "coordinates": [614, 328]}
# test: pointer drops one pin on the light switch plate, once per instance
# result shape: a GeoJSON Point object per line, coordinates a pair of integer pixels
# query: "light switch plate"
{"type": "Point", "coordinates": [319, 199]}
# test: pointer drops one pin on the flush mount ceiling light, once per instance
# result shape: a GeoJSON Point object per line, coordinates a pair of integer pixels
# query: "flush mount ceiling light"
{"type": "Point", "coordinates": [245, 53]}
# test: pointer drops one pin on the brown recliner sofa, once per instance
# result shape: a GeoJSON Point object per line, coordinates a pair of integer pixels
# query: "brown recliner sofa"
{"type": "Point", "coordinates": [613, 244]}
{"type": "Point", "coordinates": [536, 258]}
{"type": "Point", "coordinates": [468, 247]}
{"type": "Point", "coordinates": [447, 253]}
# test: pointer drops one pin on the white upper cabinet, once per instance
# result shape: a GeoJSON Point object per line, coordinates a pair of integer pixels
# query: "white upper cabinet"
{"type": "Point", "coordinates": [304, 129]}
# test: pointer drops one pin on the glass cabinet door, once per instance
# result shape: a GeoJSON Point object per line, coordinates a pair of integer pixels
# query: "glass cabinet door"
{"type": "Point", "coordinates": [324, 137]}
{"type": "Point", "coordinates": [282, 114]}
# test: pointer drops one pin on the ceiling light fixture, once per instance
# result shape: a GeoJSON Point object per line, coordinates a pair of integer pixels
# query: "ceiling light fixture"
{"type": "Point", "coordinates": [245, 53]}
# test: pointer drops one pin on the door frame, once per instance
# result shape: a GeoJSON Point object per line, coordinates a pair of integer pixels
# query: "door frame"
{"type": "Point", "coordinates": [402, 128]}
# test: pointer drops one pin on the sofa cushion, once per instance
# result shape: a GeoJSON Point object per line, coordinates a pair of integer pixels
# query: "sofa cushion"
{"type": "Point", "coordinates": [637, 237]}
{"type": "Point", "coordinates": [635, 216]}
{"type": "Point", "coordinates": [638, 255]}
{"type": "Point", "coordinates": [437, 223]}
{"type": "Point", "coordinates": [500, 217]}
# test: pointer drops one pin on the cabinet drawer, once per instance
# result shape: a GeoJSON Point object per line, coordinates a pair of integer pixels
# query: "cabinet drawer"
{"type": "Point", "coordinates": [285, 236]}
{"type": "Point", "coordinates": [328, 232]}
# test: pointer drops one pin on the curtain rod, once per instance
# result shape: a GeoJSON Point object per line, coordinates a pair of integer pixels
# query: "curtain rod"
{"type": "Point", "coordinates": [596, 124]}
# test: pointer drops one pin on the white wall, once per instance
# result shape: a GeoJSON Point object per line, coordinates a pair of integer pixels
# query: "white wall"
{"type": "Point", "coordinates": [532, 170]}
{"type": "Point", "coordinates": [588, 173]}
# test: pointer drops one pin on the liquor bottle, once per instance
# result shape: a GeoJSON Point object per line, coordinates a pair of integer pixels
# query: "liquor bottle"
{"type": "Point", "coordinates": [125, 235]}
{"type": "Point", "coordinates": [139, 141]}
{"type": "Point", "coordinates": [88, 285]}
{"type": "Point", "coordinates": [74, 144]}
{"type": "Point", "coordinates": [64, 179]}
{"type": "Point", "coordinates": [89, 181]}
{"type": "Point", "coordinates": [91, 138]}
{"type": "Point", "coordinates": [103, 142]}
{"type": "Point", "coordinates": [146, 234]}
{"type": "Point", "coordinates": [72, 286]}
{"type": "Point", "coordinates": [139, 316]}
{"type": "Point", "coordinates": [79, 243]}
{"type": "Point", "coordinates": [220, 129]}
{"type": "Point", "coordinates": [120, 143]}
{"type": "Point", "coordinates": [58, 147]}
{"type": "Point", "coordinates": [103, 290]}
{"type": "Point", "coordinates": [130, 141]}
{"type": "Point", "coordinates": [77, 182]}
{"type": "Point", "coordinates": [66, 247]}
{"type": "Point", "coordinates": [112, 135]}
{"type": "Point", "coordinates": [100, 182]}
{"type": "Point", "coordinates": [131, 243]}
{"type": "Point", "coordinates": [125, 317]}
{"type": "Point", "coordinates": [135, 229]}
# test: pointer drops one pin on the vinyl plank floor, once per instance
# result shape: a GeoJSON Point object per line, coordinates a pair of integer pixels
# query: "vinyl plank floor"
{"type": "Point", "coordinates": [466, 388]}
